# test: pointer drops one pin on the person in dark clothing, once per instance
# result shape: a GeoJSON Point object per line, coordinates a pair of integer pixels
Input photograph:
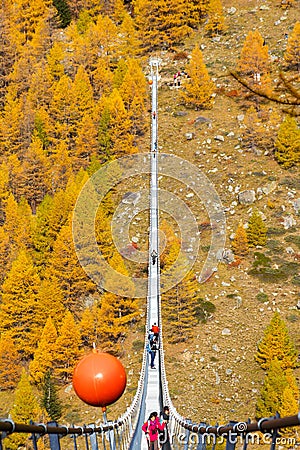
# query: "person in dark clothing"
{"type": "Point", "coordinates": [153, 349]}
{"type": "Point", "coordinates": [153, 256]}
{"type": "Point", "coordinates": [164, 435]}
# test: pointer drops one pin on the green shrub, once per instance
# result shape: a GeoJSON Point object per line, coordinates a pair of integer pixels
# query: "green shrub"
{"type": "Point", "coordinates": [294, 238]}
{"type": "Point", "coordinates": [296, 280]}
{"type": "Point", "coordinates": [276, 231]}
{"type": "Point", "coordinates": [261, 260]}
{"type": "Point", "coordinates": [204, 309]}
{"type": "Point", "coordinates": [262, 297]}
{"type": "Point", "coordinates": [293, 318]}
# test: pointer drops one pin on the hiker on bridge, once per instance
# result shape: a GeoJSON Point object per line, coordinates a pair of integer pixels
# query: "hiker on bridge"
{"type": "Point", "coordinates": [155, 329]}
{"type": "Point", "coordinates": [164, 438]}
{"type": "Point", "coordinates": [151, 429]}
{"type": "Point", "coordinates": [152, 347]}
{"type": "Point", "coordinates": [154, 256]}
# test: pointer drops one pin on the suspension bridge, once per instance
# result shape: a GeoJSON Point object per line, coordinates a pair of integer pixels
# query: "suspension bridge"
{"type": "Point", "coordinates": [152, 393]}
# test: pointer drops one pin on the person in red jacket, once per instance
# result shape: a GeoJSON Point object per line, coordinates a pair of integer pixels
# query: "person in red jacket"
{"type": "Point", "coordinates": [155, 329]}
{"type": "Point", "coordinates": [150, 428]}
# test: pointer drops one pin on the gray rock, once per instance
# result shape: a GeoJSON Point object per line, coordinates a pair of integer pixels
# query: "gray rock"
{"type": "Point", "coordinates": [296, 205]}
{"type": "Point", "coordinates": [226, 332]}
{"type": "Point", "coordinates": [231, 10]}
{"type": "Point", "coordinates": [246, 197]}
{"type": "Point", "coordinates": [218, 379]}
{"type": "Point", "coordinates": [131, 198]}
{"type": "Point", "coordinates": [270, 188]}
{"type": "Point", "coordinates": [180, 113]}
{"type": "Point", "coordinates": [225, 256]}
{"type": "Point", "coordinates": [288, 222]}
{"type": "Point", "coordinates": [201, 119]}
{"type": "Point", "coordinates": [290, 250]}
{"type": "Point", "coordinates": [219, 137]}
{"type": "Point", "coordinates": [69, 388]}
{"type": "Point", "coordinates": [189, 136]}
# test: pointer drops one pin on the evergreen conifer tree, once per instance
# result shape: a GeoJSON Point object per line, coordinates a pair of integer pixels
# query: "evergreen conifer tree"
{"type": "Point", "coordinates": [50, 400]}
{"type": "Point", "coordinates": [63, 11]}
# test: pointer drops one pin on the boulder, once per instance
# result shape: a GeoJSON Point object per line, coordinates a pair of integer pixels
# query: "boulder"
{"type": "Point", "coordinates": [288, 222]}
{"type": "Point", "coordinates": [246, 197]}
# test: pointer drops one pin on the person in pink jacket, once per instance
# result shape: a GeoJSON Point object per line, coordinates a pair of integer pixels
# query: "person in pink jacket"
{"type": "Point", "coordinates": [151, 428]}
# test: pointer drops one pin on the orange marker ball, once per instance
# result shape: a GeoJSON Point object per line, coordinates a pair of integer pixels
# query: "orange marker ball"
{"type": "Point", "coordinates": [99, 379]}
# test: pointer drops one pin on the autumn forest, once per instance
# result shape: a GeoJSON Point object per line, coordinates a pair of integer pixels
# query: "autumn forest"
{"type": "Point", "coordinates": [73, 96]}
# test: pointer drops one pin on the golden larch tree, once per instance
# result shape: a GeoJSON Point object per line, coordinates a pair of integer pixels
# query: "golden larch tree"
{"type": "Point", "coordinates": [134, 94]}
{"type": "Point", "coordinates": [34, 179]}
{"type": "Point", "coordinates": [24, 409]}
{"type": "Point", "coordinates": [88, 325]}
{"type": "Point", "coordinates": [66, 270]}
{"type": "Point", "coordinates": [61, 109]}
{"type": "Point", "coordinates": [68, 346]}
{"type": "Point", "coordinates": [271, 395]}
{"type": "Point", "coordinates": [239, 244]}
{"type": "Point", "coordinates": [287, 144]}
{"type": "Point", "coordinates": [44, 355]}
{"type": "Point", "coordinates": [10, 364]}
{"type": "Point", "coordinates": [129, 43]}
{"type": "Point", "coordinates": [102, 78]}
{"type": "Point", "coordinates": [11, 122]}
{"type": "Point", "coordinates": [216, 19]}
{"type": "Point", "coordinates": [82, 95]}
{"type": "Point", "coordinates": [55, 57]}
{"type": "Point", "coordinates": [62, 165]}
{"type": "Point", "coordinates": [18, 311]}
{"type": "Point", "coordinates": [50, 300]}
{"type": "Point", "coordinates": [161, 23]}
{"type": "Point", "coordinates": [254, 58]}
{"type": "Point", "coordinates": [257, 230]}
{"type": "Point", "coordinates": [86, 146]}
{"type": "Point", "coordinates": [17, 225]}
{"type": "Point", "coordinates": [276, 343]}
{"type": "Point", "coordinates": [198, 89]}
{"type": "Point", "coordinates": [292, 52]}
